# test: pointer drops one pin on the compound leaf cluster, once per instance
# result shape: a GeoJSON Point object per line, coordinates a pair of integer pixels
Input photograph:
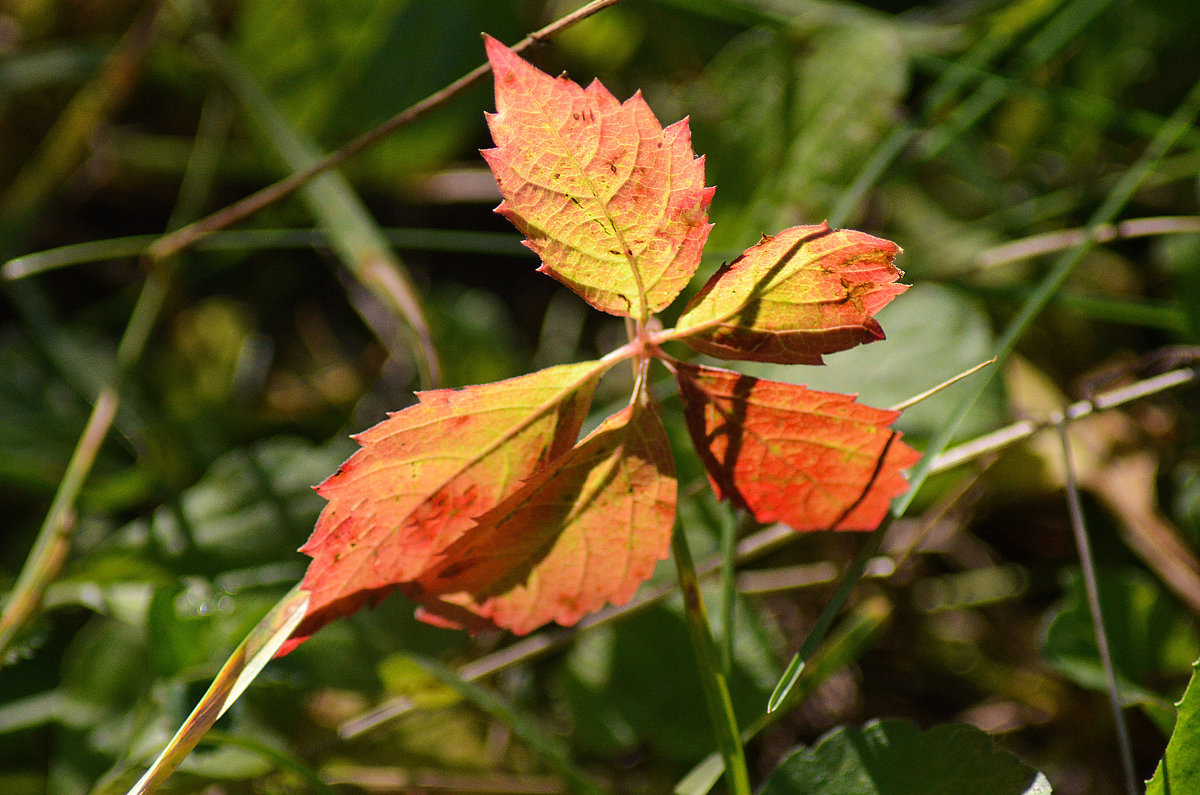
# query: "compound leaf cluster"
{"type": "Point", "coordinates": [483, 505]}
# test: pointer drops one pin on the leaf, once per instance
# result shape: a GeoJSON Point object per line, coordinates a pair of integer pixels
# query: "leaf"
{"type": "Point", "coordinates": [795, 296]}
{"type": "Point", "coordinates": [1179, 769]}
{"type": "Point", "coordinates": [812, 460]}
{"type": "Point", "coordinates": [897, 758]}
{"type": "Point", "coordinates": [425, 473]}
{"type": "Point", "coordinates": [613, 204]}
{"type": "Point", "coordinates": [585, 530]}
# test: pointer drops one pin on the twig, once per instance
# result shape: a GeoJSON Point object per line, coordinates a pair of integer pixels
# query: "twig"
{"type": "Point", "coordinates": [1088, 566]}
{"type": "Point", "coordinates": [1019, 431]}
{"type": "Point", "coordinates": [182, 238]}
{"type": "Point", "coordinates": [1050, 242]}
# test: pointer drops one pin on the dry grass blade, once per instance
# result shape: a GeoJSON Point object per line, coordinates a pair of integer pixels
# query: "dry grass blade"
{"type": "Point", "coordinates": [243, 665]}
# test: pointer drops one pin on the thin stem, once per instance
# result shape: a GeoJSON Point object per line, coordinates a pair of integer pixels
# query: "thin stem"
{"type": "Point", "coordinates": [712, 679]}
{"type": "Point", "coordinates": [1051, 242]}
{"type": "Point", "coordinates": [445, 240]}
{"type": "Point", "coordinates": [181, 239]}
{"type": "Point", "coordinates": [728, 589]}
{"type": "Point", "coordinates": [1088, 566]}
{"type": "Point", "coordinates": [53, 541]}
{"type": "Point", "coordinates": [1009, 435]}
{"type": "Point", "coordinates": [850, 578]}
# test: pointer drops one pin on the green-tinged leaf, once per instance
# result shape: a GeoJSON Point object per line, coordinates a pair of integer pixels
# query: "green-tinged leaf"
{"type": "Point", "coordinates": [424, 475]}
{"type": "Point", "coordinates": [1153, 641]}
{"type": "Point", "coordinates": [613, 204]}
{"type": "Point", "coordinates": [897, 758]}
{"type": "Point", "coordinates": [585, 530]}
{"type": "Point", "coordinates": [795, 296]}
{"type": "Point", "coordinates": [812, 460]}
{"type": "Point", "coordinates": [1178, 771]}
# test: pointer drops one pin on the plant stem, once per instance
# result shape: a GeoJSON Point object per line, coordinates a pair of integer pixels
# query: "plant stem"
{"type": "Point", "coordinates": [54, 538]}
{"type": "Point", "coordinates": [712, 679]}
{"type": "Point", "coordinates": [53, 541]}
{"type": "Point", "coordinates": [1088, 566]}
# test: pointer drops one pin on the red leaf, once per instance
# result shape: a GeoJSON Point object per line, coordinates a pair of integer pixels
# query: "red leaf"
{"type": "Point", "coordinates": [425, 473]}
{"type": "Point", "coordinates": [793, 297]}
{"type": "Point", "coordinates": [585, 530]}
{"type": "Point", "coordinates": [613, 204]}
{"type": "Point", "coordinates": [812, 460]}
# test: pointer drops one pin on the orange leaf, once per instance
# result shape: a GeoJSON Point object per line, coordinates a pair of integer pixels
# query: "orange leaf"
{"type": "Point", "coordinates": [793, 297]}
{"type": "Point", "coordinates": [613, 204]}
{"type": "Point", "coordinates": [425, 473]}
{"type": "Point", "coordinates": [812, 460]}
{"type": "Point", "coordinates": [586, 530]}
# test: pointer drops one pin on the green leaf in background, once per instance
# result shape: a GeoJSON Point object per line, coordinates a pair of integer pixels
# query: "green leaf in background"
{"type": "Point", "coordinates": [1179, 255]}
{"type": "Point", "coordinates": [896, 758]}
{"type": "Point", "coordinates": [1179, 770]}
{"type": "Point", "coordinates": [1187, 499]}
{"type": "Point", "coordinates": [785, 124]}
{"type": "Point", "coordinates": [253, 505]}
{"type": "Point", "coordinates": [1153, 640]}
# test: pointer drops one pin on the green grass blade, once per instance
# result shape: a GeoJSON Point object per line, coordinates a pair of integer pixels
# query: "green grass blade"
{"type": "Point", "coordinates": [1179, 122]}
{"type": "Point", "coordinates": [444, 240]}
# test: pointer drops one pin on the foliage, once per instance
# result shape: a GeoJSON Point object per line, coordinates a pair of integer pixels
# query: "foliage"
{"type": "Point", "coordinates": [983, 139]}
{"type": "Point", "coordinates": [480, 505]}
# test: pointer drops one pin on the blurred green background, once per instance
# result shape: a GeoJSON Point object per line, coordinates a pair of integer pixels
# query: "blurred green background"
{"type": "Point", "coordinates": [958, 129]}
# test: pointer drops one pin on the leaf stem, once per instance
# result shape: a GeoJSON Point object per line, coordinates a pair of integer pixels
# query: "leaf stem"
{"type": "Point", "coordinates": [712, 678]}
